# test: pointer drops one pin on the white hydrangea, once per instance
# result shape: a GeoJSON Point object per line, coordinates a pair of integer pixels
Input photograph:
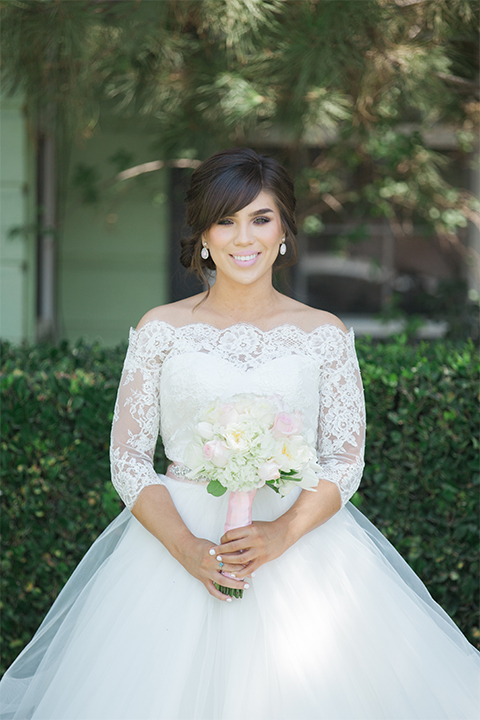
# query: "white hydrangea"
{"type": "Point", "coordinates": [248, 442]}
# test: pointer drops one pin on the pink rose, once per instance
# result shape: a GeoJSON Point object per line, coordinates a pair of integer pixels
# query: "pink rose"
{"type": "Point", "coordinates": [217, 453]}
{"type": "Point", "coordinates": [208, 450]}
{"type": "Point", "coordinates": [268, 471]}
{"type": "Point", "coordinates": [287, 424]}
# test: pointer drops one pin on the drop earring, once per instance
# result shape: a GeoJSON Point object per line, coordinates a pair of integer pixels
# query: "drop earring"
{"type": "Point", "coordinates": [283, 247]}
{"type": "Point", "coordinates": [204, 252]}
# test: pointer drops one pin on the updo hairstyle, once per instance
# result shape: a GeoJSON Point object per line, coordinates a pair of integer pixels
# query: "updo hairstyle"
{"type": "Point", "coordinates": [224, 184]}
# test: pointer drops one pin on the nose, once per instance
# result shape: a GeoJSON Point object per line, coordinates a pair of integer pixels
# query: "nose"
{"type": "Point", "coordinates": [244, 234]}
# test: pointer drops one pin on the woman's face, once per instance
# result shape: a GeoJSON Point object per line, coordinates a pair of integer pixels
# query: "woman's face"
{"type": "Point", "coordinates": [244, 246]}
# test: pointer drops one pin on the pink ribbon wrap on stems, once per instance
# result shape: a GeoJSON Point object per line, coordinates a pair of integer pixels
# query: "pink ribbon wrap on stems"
{"type": "Point", "coordinates": [239, 511]}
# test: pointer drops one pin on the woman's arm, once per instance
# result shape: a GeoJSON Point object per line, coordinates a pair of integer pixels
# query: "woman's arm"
{"type": "Point", "coordinates": [341, 439]}
{"type": "Point", "coordinates": [136, 417]}
{"type": "Point", "coordinates": [246, 549]}
{"type": "Point", "coordinates": [157, 513]}
{"type": "Point", "coordinates": [134, 436]}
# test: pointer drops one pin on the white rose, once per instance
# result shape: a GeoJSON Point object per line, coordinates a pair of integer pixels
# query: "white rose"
{"type": "Point", "coordinates": [212, 412]}
{"type": "Point", "coordinates": [264, 413]}
{"type": "Point", "coordinates": [268, 470]}
{"type": "Point", "coordinates": [205, 430]}
{"type": "Point", "coordinates": [229, 415]}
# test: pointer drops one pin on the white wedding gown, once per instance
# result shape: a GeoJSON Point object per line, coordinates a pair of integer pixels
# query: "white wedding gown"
{"type": "Point", "coordinates": [337, 628]}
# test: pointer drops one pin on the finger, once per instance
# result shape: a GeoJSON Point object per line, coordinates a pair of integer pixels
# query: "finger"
{"type": "Point", "coordinates": [235, 546]}
{"type": "Point", "coordinates": [235, 584]}
{"type": "Point", "coordinates": [249, 571]}
{"type": "Point", "coordinates": [246, 579]}
{"type": "Point", "coordinates": [224, 564]}
{"type": "Point", "coordinates": [239, 559]}
{"type": "Point", "coordinates": [217, 593]}
{"type": "Point", "coordinates": [236, 534]}
{"type": "Point", "coordinates": [235, 569]}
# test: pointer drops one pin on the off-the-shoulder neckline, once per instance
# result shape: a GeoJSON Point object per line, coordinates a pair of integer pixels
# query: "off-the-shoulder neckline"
{"type": "Point", "coordinates": [282, 326]}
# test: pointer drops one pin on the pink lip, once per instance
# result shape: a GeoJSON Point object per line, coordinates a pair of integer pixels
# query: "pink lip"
{"type": "Point", "coordinates": [245, 263]}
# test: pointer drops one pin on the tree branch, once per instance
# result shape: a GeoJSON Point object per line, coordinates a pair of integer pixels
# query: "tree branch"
{"type": "Point", "coordinates": [137, 170]}
{"type": "Point", "coordinates": [406, 3]}
{"type": "Point", "coordinates": [468, 85]}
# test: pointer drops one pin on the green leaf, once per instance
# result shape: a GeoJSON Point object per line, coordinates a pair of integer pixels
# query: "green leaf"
{"type": "Point", "coordinates": [215, 488]}
{"type": "Point", "coordinates": [271, 484]}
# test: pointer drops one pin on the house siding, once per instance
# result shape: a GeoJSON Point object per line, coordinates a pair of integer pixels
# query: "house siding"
{"type": "Point", "coordinates": [17, 211]}
{"type": "Point", "coordinates": [113, 253]}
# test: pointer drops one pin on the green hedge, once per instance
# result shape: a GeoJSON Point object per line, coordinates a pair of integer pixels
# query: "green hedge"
{"type": "Point", "coordinates": [420, 485]}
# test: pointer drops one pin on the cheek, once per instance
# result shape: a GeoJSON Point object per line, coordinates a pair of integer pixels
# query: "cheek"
{"type": "Point", "coordinates": [219, 236]}
{"type": "Point", "coordinates": [273, 234]}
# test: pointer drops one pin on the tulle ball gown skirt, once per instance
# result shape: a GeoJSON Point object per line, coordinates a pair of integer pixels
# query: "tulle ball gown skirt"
{"type": "Point", "coordinates": [338, 628]}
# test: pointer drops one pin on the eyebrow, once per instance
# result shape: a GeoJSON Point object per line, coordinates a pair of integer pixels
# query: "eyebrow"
{"type": "Point", "coordinates": [260, 212]}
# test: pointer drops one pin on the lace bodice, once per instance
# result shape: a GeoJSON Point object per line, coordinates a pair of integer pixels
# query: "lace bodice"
{"type": "Point", "coordinates": [171, 373]}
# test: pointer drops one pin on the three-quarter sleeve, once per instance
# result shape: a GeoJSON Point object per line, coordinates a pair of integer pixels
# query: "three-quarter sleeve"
{"type": "Point", "coordinates": [137, 415]}
{"type": "Point", "coordinates": [341, 419]}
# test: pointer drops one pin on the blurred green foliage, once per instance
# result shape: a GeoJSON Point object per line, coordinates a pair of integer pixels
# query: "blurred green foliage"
{"type": "Point", "coordinates": [365, 80]}
{"type": "Point", "coordinates": [450, 303]}
{"type": "Point", "coordinates": [422, 475]}
{"type": "Point", "coordinates": [420, 485]}
{"type": "Point", "coordinates": [57, 408]}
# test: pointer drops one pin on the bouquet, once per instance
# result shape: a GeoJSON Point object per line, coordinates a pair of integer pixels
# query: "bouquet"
{"type": "Point", "coordinates": [248, 442]}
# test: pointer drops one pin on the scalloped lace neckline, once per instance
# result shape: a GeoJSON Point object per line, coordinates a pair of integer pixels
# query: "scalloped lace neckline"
{"type": "Point", "coordinates": [282, 326]}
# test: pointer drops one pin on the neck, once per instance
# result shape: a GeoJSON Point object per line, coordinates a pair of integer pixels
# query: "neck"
{"type": "Point", "coordinates": [242, 303]}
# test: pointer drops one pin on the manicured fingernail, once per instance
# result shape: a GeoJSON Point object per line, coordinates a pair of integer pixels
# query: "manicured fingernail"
{"type": "Point", "coordinates": [228, 599]}
{"type": "Point", "coordinates": [212, 551]}
{"type": "Point", "coordinates": [253, 574]}
{"type": "Point", "coordinates": [232, 575]}
{"type": "Point", "coordinates": [219, 558]}
{"type": "Point", "coordinates": [246, 586]}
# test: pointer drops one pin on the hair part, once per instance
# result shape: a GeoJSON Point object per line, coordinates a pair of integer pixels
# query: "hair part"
{"type": "Point", "coordinates": [224, 184]}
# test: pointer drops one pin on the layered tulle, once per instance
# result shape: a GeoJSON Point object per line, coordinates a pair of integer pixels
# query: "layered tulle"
{"type": "Point", "coordinates": [338, 628]}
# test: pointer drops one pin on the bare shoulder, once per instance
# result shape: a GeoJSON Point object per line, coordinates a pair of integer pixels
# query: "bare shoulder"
{"type": "Point", "coordinates": [308, 318]}
{"type": "Point", "coordinates": [176, 313]}
{"type": "Point", "coordinates": [313, 318]}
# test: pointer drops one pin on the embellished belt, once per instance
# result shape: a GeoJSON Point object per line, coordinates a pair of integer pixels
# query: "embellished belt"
{"type": "Point", "coordinates": [177, 471]}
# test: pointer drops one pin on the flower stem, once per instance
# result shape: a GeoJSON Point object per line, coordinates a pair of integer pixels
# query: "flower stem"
{"type": "Point", "coordinates": [233, 592]}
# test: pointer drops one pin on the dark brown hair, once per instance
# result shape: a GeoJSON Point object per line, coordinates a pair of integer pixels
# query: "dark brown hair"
{"type": "Point", "coordinates": [226, 183]}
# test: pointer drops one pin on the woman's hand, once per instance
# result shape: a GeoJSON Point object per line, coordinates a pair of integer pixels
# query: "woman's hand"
{"type": "Point", "coordinates": [199, 560]}
{"type": "Point", "coordinates": [243, 550]}
{"type": "Point", "coordinates": [157, 513]}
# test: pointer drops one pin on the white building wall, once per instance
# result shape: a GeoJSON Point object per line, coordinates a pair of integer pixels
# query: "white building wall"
{"type": "Point", "coordinates": [17, 203]}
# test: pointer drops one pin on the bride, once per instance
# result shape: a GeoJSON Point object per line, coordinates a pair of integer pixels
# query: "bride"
{"type": "Point", "coordinates": [333, 624]}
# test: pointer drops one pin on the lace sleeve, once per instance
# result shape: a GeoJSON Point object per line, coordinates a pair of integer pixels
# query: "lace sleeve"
{"type": "Point", "coordinates": [136, 417]}
{"type": "Point", "coordinates": [341, 420]}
